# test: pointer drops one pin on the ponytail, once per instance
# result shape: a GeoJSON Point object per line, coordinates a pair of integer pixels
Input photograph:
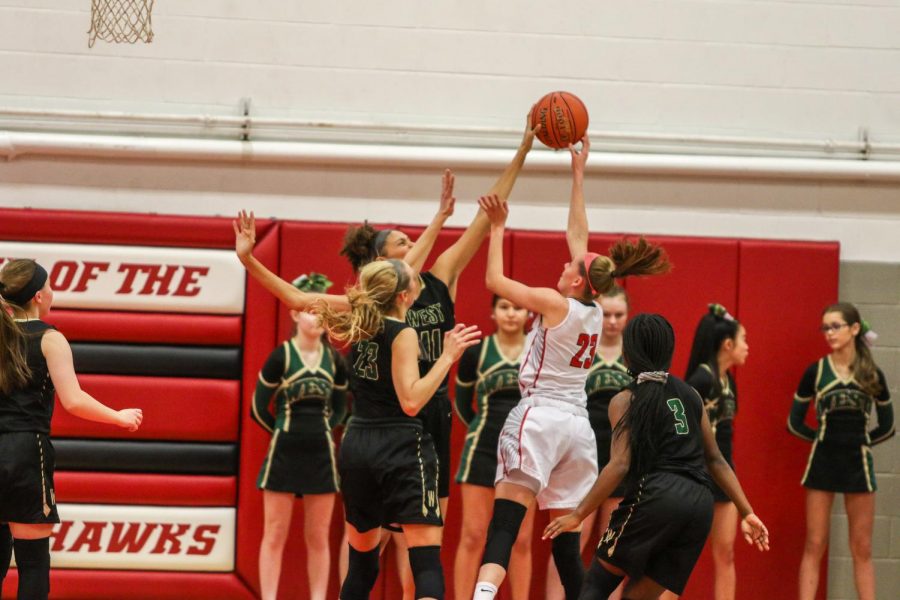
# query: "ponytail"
{"type": "Point", "coordinates": [625, 259]}
{"type": "Point", "coordinates": [370, 299]}
{"type": "Point", "coordinates": [716, 326]}
{"type": "Point", "coordinates": [647, 344]}
{"type": "Point", "coordinates": [363, 244]}
{"type": "Point", "coordinates": [863, 368]}
{"type": "Point", "coordinates": [14, 370]}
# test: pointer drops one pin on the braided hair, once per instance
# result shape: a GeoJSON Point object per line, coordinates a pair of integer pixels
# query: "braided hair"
{"type": "Point", "coordinates": [647, 344]}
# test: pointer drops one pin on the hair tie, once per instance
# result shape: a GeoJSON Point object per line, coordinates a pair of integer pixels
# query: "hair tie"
{"type": "Point", "coordinates": [380, 239]}
{"type": "Point", "coordinates": [654, 376]}
{"type": "Point", "coordinates": [869, 336]}
{"type": "Point", "coordinates": [313, 282]}
{"type": "Point", "coordinates": [589, 258]}
{"type": "Point", "coordinates": [717, 310]}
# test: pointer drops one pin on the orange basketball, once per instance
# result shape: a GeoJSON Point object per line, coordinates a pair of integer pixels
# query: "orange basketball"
{"type": "Point", "coordinates": [563, 118]}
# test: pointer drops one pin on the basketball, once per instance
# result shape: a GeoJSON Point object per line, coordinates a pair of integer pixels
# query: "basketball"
{"type": "Point", "coordinates": [563, 119]}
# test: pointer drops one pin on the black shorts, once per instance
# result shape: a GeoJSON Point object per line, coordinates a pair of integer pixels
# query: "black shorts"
{"type": "Point", "coordinates": [843, 468]}
{"type": "Point", "coordinates": [26, 478]}
{"type": "Point", "coordinates": [300, 463]}
{"type": "Point", "coordinates": [389, 474]}
{"type": "Point", "coordinates": [437, 418]}
{"type": "Point", "coordinates": [659, 531]}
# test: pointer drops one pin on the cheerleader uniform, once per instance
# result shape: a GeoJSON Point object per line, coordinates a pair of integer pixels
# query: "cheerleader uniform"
{"type": "Point", "coordinates": [309, 400]}
{"type": "Point", "coordinates": [26, 454]}
{"type": "Point", "coordinates": [605, 380]}
{"type": "Point", "coordinates": [841, 456]}
{"type": "Point", "coordinates": [493, 379]}
{"type": "Point", "coordinates": [721, 406]}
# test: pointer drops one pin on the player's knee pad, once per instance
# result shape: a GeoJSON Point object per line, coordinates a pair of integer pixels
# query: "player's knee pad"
{"type": "Point", "coordinates": [567, 558]}
{"type": "Point", "coordinates": [428, 574]}
{"type": "Point", "coordinates": [599, 583]}
{"type": "Point", "coordinates": [503, 531]}
{"type": "Point", "coordinates": [6, 546]}
{"type": "Point", "coordinates": [33, 562]}
{"type": "Point", "coordinates": [361, 574]}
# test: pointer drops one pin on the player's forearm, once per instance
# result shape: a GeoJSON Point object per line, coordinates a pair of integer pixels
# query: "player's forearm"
{"type": "Point", "coordinates": [494, 274]}
{"type": "Point", "coordinates": [416, 257]}
{"type": "Point", "coordinates": [84, 406]}
{"type": "Point", "coordinates": [463, 401]}
{"type": "Point", "coordinates": [278, 287]}
{"type": "Point", "coordinates": [577, 230]}
{"type": "Point", "coordinates": [796, 424]}
{"type": "Point", "coordinates": [259, 407]}
{"type": "Point", "coordinates": [885, 429]}
{"type": "Point", "coordinates": [609, 479]}
{"type": "Point", "coordinates": [424, 388]}
{"type": "Point", "coordinates": [725, 478]}
{"type": "Point", "coordinates": [504, 184]}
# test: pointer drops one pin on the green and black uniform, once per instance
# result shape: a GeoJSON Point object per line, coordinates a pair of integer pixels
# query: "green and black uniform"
{"type": "Point", "coordinates": [387, 461]}
{"type": "Point", "coordinates": [309, 400]}
{"type": "Point", "coordinates": [720, 400]}
{"type": "Point", "coordinates": [492, 380]}
{"type": "Point", "coordinates": [26, 454]}
{"type": "Point", "coordinates": [841, 455]}
{"type": "Point", "coordinates": [605, 380]}
{"type": "Point", "coordinates": [661, 525]}
{"type": "Point", "coordinates": [432, 315]}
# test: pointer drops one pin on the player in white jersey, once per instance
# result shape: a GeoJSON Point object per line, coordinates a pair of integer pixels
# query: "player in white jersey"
{"type": "Point", "coordinates": [547, 450]}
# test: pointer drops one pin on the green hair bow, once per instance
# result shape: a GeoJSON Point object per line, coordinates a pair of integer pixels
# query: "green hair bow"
{"type": "Point", "coordinates": [313, 282]}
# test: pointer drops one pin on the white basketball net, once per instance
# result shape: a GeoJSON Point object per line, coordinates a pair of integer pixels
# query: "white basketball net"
{"type": "Point", "coordinates": [121, 21]}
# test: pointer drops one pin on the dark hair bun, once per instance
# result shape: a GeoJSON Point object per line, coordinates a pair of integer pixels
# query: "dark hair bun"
{"type": "Point", "coordinates": [359, 245]}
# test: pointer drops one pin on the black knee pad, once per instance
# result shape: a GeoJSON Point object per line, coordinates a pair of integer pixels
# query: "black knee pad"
{"type": "Point", "coordinates": [503, 531]}
{"type": "Point", "coordinates": [6, 546]}
{"type": "Point", "coordinates": [427, 571]}
{"type": "Point", "coordinates": [567, 558]}
{"type": "Point", "coordinates": [361, 574]}
{"type": "Point", "coordinates": [33, 562]}
{"type": "Point", "coordinates": [599, 583]}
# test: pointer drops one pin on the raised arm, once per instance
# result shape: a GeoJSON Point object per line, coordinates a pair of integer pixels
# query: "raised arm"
{"type": "Point", "coordinates": [417, 256]}
{"type": "Point", "coordinates": [548, 302]}
{"type": "Point", "coordinates": [577, 230]}
{"type": "Point", "coordinates": [413, 391]}
{"type": "Point", "coordinates": [58, 353]}
{"type": "Point", "coordinates": [290, 296]}
{"type": "Point", "coordinates": [450, 264]}
{"type": "Point", "coordinates": [752, 527]}
{"type": "Point", "coordinates": [609, 478]}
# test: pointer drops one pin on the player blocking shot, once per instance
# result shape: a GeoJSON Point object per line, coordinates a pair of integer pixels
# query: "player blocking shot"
{"type": "Point", "coordinates": [547, 451]}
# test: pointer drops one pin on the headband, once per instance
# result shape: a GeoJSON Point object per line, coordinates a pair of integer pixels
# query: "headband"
{"type": "Point", "coordinates": [380, 238]}
{"type": "Point", "coordinates": [34, 285]}
{"type": "Point", "coordinates": [313, 282]}
{"type": "Point", "coordinates": [589, 258]}
{"type": "Point", "coordinates": [718, 310]}
{"type": "Point", "coordinates": [654, 376]}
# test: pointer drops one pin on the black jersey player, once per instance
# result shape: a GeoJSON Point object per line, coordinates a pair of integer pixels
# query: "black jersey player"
{"type": "Point", "coordinates": [664, 449]}
{"type": "Point", "coordinates": [35, 362]}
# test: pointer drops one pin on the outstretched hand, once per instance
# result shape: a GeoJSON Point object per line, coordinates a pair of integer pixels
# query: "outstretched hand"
{"type": "Point", "coordinates": [130, 418]}
{"type": "Point", "coordinates": [755, 533]}
{"type": "Point", "coordinates": [244, 233]}
{"type": "Point", "coordinates": [496, 209]}
{"type": "Point", "coordinates": [560, 525]}
{"type": "Point", "coordinates": [448, 200]}
{"type": "Point", "coordinates": [530, 132]}
{"type": "Point", "coordinates": [579, 157]}
{"type": "Point", "coordinates": [459, 338]}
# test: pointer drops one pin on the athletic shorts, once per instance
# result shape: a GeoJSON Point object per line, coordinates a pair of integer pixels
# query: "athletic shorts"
{"type": "Point", "coordinates": [300, 463]}
{"type": "Point", "coordinates": [659, 529]}
{"type": "Point", "coordinates": [437, 419]}
{"type": "Point", "coordinates": [553, 443]}
{"type": "Point", "coordinates": [26, 478]}
{"type": "Point", "coordinates": [847, 469]}
{"type": "Point", "coordinates": [389, 474]}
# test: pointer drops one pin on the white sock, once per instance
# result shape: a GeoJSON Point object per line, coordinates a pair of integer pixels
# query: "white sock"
{"type": "Point", "coordinates": [484, 591]}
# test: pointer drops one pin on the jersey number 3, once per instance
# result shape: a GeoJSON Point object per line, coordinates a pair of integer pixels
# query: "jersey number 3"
{"type": "Point", "coordinates": [677, 408]}
{"type": "Point", "coordinates": [587, 344]}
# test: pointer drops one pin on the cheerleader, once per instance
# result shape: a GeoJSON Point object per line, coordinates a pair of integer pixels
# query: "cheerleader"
{"type": "Point", "coordinates": [845, 385]}
{"type": "Point", "coordinates": [547, 452]}
{"type": "Point", "coordinates": [489, 374]}
{"type": "Point", "coordinates": [35, 363]}
{"type": "Point", "coordinates": [307, 381]}
{"type": "Point", "coordinates": [665, 450]}
{"type": "Point", "coordinates": [608, 376]}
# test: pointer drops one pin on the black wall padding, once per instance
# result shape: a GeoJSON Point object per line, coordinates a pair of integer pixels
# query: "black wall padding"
{"type": "Point", "coordinates": [146, 457]}
{"type": "Point", "coordinates": [164, 361]}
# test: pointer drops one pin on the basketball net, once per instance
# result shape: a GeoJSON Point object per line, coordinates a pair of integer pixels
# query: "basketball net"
{"type": "Point", "coordinates": [121, 21]}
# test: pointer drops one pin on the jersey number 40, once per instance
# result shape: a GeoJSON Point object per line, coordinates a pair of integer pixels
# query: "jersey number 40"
{"type": "Point", "coordinates": [587, 348]}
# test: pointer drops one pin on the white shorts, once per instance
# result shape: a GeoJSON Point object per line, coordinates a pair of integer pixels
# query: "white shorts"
{"type": "Point", "coordinates": [554, 446]}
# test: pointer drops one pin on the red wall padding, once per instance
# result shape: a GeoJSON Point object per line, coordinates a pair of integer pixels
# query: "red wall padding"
{"type": "Point", "coordinates": [175, 408]}
{"type": "Point", "coordinates": [148, 328]}
{"type": "Point", "coordinates": [72, 584]}
{"type": "Point", "coordinates": [130, 488]}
